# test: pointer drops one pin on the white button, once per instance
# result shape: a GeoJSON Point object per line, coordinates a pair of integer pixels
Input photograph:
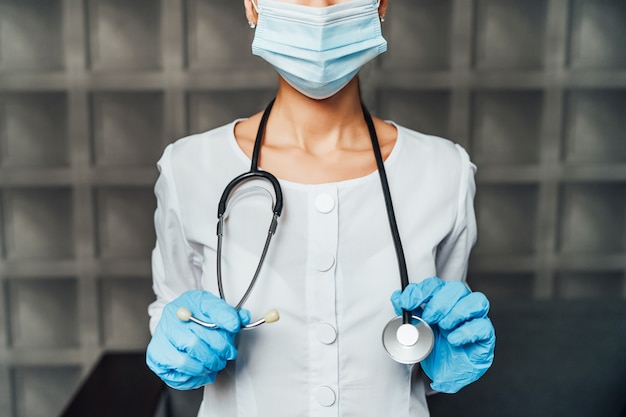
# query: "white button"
{"type": "Point", "coordinates": [326, 333]}
{"type": "Point", "coordinates": [325, 203]}
{"type": "Point", "coordinates": [325, 396]}
{"type": "Point", "coordinates": [325, 261]}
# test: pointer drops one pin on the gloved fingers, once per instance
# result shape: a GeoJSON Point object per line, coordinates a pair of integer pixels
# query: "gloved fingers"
{"type": "Point", "coordinates": [473, 305]}
{"type": "Point", "coordinates": [458, 380]}
{"type": "Point", "coordinates": [194, 302]}
{"type": "Point", "coordinates": [209, 308]}
{"type": "Point", "coordinates": [223, 315]}
{"type": "Point", "coordinates": [166, 372]}
{"type": "Point", "coordinates": [177, 379]}
{"type": "Point", "coordinates": [219, 342]}
{"type": "Point", "coordinates": [443, 301]}
{"type": "Point", "coordinates": [474, 331]}
{"type": "Point", "coordinates": [197, 341]}
{"type": "Point", "coordinates": [166, 359]}
{"type": "Point", "coordinates": [187, 355]}
{"type": "Point", "coordinates": [244, 316]}
{"type": "Point", "coordinates": [191, 382]}
{"type": "Point", "coordinates": [199, 381]}
{"type": "Point", "coordinates": [395, 301]}
{"type": "Point", "coordinates": [415, 294]}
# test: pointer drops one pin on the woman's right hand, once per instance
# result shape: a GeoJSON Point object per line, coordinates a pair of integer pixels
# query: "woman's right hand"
{"type": "Point", "coordinates": [186, 355]}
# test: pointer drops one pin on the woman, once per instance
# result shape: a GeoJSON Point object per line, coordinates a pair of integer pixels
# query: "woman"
{"type": "Point", "coordinates": [333, 263]}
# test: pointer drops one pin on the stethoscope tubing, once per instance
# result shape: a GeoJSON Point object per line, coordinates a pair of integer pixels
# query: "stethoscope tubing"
{"type": "Point", "coordinates": [255, 173]}
{"type": "Point", "coordinates": [220, 282]}
{"type": "Point", "coordinates": [393, 225]}
{"type": "Point", "coordinates": [405, 341]}
{"type": "Point", "coordinates": [247, 176]}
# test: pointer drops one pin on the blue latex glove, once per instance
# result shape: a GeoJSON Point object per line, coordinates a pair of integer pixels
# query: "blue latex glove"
{"type": "Point", "coordinates": [464, 336]}
{"type": "Point", "coordinates": [186, 355]}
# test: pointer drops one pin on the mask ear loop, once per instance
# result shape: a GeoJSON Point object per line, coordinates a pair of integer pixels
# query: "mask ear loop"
{"type": "Point", "coordinates": [380, 16]}
{"type": "Point", "coordinates": [256, 8]}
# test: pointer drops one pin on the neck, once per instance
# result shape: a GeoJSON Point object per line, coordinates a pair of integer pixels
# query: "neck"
{"type": "Point", "coordinates": [317, 125]}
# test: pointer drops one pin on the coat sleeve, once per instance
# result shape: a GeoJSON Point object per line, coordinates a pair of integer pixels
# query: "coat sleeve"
{"type": "Point", "coordinates": [176, 266]}
{"type": "Point", "coordinates": [454, 251]}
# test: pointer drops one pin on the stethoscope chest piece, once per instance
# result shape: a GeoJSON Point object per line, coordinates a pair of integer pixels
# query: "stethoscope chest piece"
{"type": "Point", "coordinates": [408, 343]}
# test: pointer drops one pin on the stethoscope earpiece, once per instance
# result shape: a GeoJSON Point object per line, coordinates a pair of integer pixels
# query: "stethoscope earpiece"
{"type": "Point", "coordinates": [271, 316]}
{"type": "Point", "coordinates": [408, 343]}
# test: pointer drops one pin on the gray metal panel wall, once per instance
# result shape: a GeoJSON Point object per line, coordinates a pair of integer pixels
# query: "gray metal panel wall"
{"type": "Point", "coordinates": [92, 90]}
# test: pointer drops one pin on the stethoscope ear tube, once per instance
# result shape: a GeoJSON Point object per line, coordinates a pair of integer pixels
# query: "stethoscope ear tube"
{"type": "Point", "coordinates": [270, 316]}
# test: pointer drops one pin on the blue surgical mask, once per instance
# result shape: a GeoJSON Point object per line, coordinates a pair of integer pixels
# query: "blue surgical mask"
{"type": "Point", "coordinates": [318, 50]}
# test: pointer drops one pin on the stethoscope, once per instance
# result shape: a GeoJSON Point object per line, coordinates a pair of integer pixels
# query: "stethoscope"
{"type": "Point", "coordinates": [407, 338]}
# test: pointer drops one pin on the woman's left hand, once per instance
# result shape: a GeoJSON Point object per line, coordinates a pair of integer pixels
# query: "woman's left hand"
{"type": "Point", "coordinates": [464, 336]}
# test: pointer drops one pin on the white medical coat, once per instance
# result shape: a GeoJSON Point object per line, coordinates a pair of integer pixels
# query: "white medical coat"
{"type": "Point", "coordinates": [330, 271]}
